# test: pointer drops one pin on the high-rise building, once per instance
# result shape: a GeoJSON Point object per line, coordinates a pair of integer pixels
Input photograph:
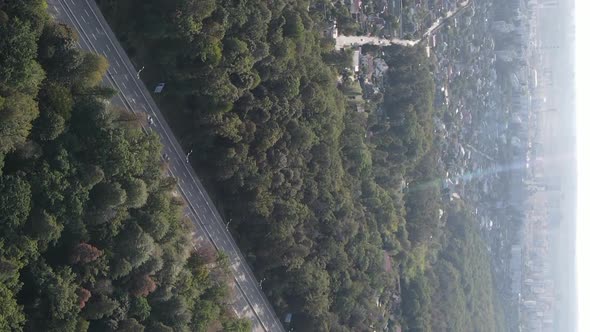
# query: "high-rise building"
{"type": "Point", "coordinates": [549, 3]}
{"type": "Point", "coordinates": [502, 26]}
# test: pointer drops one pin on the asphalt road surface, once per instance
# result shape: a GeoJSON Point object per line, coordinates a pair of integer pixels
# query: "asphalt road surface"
{"type": "Point", "coordinates": [96, 36]}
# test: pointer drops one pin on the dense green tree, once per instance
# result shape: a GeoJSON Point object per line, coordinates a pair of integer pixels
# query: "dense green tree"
{"type": "Point", "coordinates": [17, 112]}
{"type": "Point", "coordinates": [58, 54]}
{"type": "Point", "coordinates": [52, 126]}
{"type": "Point", "coordinates": [11, 315]}
{"type": "Point", "coordinates": [136, 191]}
{"type": "Point", "coordinates": [241, 325]}
{"type": "Point", "coordinates": [140, 308]}
{"type": "Point", "coordinates": [18, 48]}
{"type": "Point", "coordinates": [99, 307]}
{"type": "Point", "coordinates": [15, 203]}
{"type": "Point", "coordinates": [55, 297]}
{"type": "Point", "coordinates": [108, 195]}
{"type": "Point", "coordinates": [130, 325]}
{"type": "Point", "coordinates": [92, 69]}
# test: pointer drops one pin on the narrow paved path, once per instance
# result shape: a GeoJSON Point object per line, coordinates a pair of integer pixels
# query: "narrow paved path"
{"type": "Point", "coordinates": [349, 41]}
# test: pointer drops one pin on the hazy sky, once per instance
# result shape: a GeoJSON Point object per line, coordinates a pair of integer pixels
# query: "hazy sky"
{"type": "Point", "coordinates": [583, 145]}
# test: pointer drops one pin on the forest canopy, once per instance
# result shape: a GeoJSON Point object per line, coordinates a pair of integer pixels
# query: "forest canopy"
{"type": "Point", "coordinates": [91, 237]}
{"type": "Point", "coordinates": [334, 209]}
{"type": "Point", "coordinates": [323, 199]}
{"type": "Point", "coordinates": [457, 293]}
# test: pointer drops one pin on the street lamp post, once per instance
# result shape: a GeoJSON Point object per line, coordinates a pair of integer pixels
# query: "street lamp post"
{"type": "Point", "coordinates": [138, 72]}
{"type": "Point", "coordinates": [188, 155]}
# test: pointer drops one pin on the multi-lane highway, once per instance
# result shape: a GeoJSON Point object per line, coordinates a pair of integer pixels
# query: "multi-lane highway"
{"type": "Point", "coordinates": [96, 36]}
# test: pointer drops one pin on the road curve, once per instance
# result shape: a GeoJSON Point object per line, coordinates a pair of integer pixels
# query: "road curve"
{"type": "Point", "coordinates": [96, 36]}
